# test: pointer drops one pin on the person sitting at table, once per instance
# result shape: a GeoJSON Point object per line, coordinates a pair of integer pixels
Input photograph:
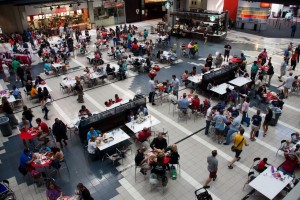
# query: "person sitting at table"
{"type": "Point", "coordinates": [259, 82]}
{"type": "Point", "coordinates": [159, 168]}
{"type": "Point", "coordinates": [57, 157]}
{"type": "Point", "coordinates": [34, 93]}
{"type": "Point", "coordinates": [83, 192]}
{"type": "Point", "coordinates": [261, 166]}
{"type": "Point", "coordinates": [220, 106]}
{"type": "Point", "coordinates": [261, 93]}
{"type": "Point", "coordinates": [141, 160]}
{"type": "Point", "coordinates": [183, 103]}
{"type": "Point", "coordinates": [44, 130]}
{"type": "Point", "coordinates": [47, 68]}
{"type": "Point", "coordinates": [143, 109]}
{"type": "Point", "coordinates": [24, 125]}
{"type": "Point", "coordinates": [25, 162]}
{"type": "Point", "coordinates": [172, 152]}
{"type": "Point", "coordinates": [195, 104]}
{"type": "Point", "coordinates": [184, 78]}
{"type": "Point", "coordinates": [28, 86]}
{"type": "Point", "coordinates": [93, 133]}
{"type": "Point", "coordinates": [84, 111]}
{"type": "Point", "coordinates": [286, 147]}
{"type": "Point", "coordinates": [110, 71]}
{"type": "Point", "coordinates": [131, 117]}
{"type": "Point", "coordinates": [44, 148]}
{"type": "Point", "coordinates": [53, 191]}
{"type": "Point", "coordinates": [205, 69]}
{"type": "Point", "coordinates": [92, 147]}
{"type": "Point", "coordinates": [193, 72]}
{"type": "Point", "coordinates": [295, 138]}
{"type": "Point", "coordinates": [209, 61]}
{"type": "Point", "coordinates": [117, 98]}
{"type": "Point", "coordinates": [159, 144]}
{"type": "Point", "coordinates": [38, 80]}
{"type": "Point", "coordinates": [290, 164]}
{"type": "Point", "coordinates": [134, 47]}
{"type": "Point", "coordinates": [172, 97]}
{"type": "Point", "coordinates": [143, 135]}
{"type": "Point", "coordinates": [16, 92]}
{"type": "Point", "coordinates": [233, 111]}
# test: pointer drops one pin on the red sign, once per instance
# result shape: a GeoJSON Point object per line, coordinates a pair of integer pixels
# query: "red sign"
{"type": "Point", "coordinates": [60, 10]}
{"type": "Point", "coordinates": [265, 5]}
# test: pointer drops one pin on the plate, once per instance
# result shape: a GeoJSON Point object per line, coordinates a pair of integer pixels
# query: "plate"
{"type": "Point", "coordinates": [108, 139]}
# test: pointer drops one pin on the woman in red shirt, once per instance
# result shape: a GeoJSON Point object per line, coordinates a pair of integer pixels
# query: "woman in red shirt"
{"type": "Point", "coordinates": [195, 103]}
{"type": "Point", "coordinates": [261, 166]}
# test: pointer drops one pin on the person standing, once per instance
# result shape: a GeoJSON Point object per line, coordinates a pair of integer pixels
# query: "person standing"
{"type": "Point", "coordinates": [297, 50]}
{"type": "Point", "coordinates": [239, 142]}
{"type": "Point", "coordinates": [287, 84]}
{"type": "Point", "coordinates": [6, 71]}
{"type": "Point", "coordinates": [254, 70]}
{"type": "Point", "coordinates": [283, 68]}
{"type": "Point", "coordinates": [151, 91]}
{"type": "Point", "coordinates": [212, 168]}
{"type": "Point", "coordinates": [270, 73]}
{"type": "Point", "coordinates": [294, 28]}
{"type": "Point", "coordinates": [175, 85]}
{"type": "Point", "coordinates": [79, 89]}
{"type": "Point", "coordinates": [44, 107]}
{"type": "Point", "coordinates": [210, 111]}
{"type": "Point", "coordinates": [256, 123]}
{"type": "Point", "coordinates": [267, 121]}
{"type": "Point", "coordinates": [83, 192]}
{"type": "Point", "coordinates": [227, 49]}
{"type": "Point", "coordinates": [294, 61]}
{"type": "Point", "coordinates": [20, 74]}
{"type": "Point", "coordinates": [27, 113]}
{"type": "Point", "coordinates": [59, 130]}
{"type": "Point", "coordinates": [8, 110]}
{"type": "Point", "coordinates": [220, 120]}
{"type": "Point", "coordinates": [245, 108]}
{"type": "Point", "coordinates": [233, 127]}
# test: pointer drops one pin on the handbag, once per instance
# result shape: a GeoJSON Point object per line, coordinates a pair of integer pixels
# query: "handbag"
{"type": "Point", "coordinates": [234, 148]}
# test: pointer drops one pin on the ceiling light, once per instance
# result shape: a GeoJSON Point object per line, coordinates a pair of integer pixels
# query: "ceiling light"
{"type": "Point", "coordinates": [71, 6]}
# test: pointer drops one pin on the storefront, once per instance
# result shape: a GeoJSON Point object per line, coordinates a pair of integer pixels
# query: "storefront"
{"type": "Point", "coordinates": [153, 9]}
{"type": "Point", "coordinates": [109, 13]}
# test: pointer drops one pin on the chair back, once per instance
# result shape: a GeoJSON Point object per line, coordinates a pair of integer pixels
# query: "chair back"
{"type": "Point", "coordinates": [256, 159]}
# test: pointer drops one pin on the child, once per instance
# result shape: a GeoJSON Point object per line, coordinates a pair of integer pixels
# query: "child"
{"type": "Point", "coordinates": [261, 166]}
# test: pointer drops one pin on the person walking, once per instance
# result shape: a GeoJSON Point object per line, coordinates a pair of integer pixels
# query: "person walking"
{"type": "Point", "coordinates": [239, 142]}
{"type": "Point", "coordinates": [270, 73]}
{"type": "Point", "coordinates": [212, 168]}
{"type": "Point", "coordinates": [209, 115]}
{"type": "Point", "coordinates": [59, 130]}
{"type": "Point", "coordinates": [44, 107]}
{"type": "Point", "coordinates": [254, 70]}
{"type": "Point", "coordinates": [267, 121]}
{"type": "Point", "coordinates": [151, 91]}
{"type": "Point", "coordinates": [287, 85]}
{"type": "Point", "coordinates": [79, 89]}
{"type": "Point", "coordinates": [256, 123]}
{"type": "Point", "coordinates": [294, 28]}
{"type": "Point", "coordinates": [283, 68]}
{"type": "Point", "coordinates": [175, 85]}
{"type": "Point", "coordinates": [227, 49]}
{"type": "Point", "coordinates": [245, 108]}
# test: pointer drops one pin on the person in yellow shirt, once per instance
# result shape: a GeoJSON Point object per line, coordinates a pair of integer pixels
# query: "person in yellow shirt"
{"type": "Point", "coordinates": [33, 92]}
{"type": "Point", "coordinates": [239, 142]}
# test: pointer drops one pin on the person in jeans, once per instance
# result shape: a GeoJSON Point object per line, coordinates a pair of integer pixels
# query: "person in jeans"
{"type": "Point", "coordinates": [208, 118]}
{"type": "Point", "coordinates": [245, 108]}
{"type": "Point", "coordinates": [256, 123]}
{"type": "Point", "coordinates": [239, 142]}
{"type": "Point", "coordinates": [233, 127]}
{"type": "Point", "coordinates": [283, 66]}
{"type": "Point", "coordinates": [151, 91]}
{"type": "Point", "coordinates": [220, 125]}
{"type": "Point", "coordinates": [212, 168]}
{"type": "Point", "coordinates": [267, 121]}
{"type": "Point", "coordinates": [175, 85]}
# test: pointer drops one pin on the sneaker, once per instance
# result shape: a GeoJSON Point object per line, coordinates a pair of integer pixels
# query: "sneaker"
{"type": "Point", "coordinates": [225, 143]}
{"type": "Point", "coordinates": [230, 167]}
{"type": "Point", "coordinates": [215, 178]}
{"type": "Point", "coordinates": [206, 187]}
{"type": "Point", "coordinates": [238, 159]}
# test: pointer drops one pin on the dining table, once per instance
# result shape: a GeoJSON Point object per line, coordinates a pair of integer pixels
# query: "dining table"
{"type": "Point", "coordinates": [221, 89]}
{"type": "Point", "coordinates": [42, 161]}
{"type": "Point", "coordinates": [240, 81]}
{"type": "Point", "coordinates": [69, 82]}
{"type": "Point", "coordinates": [45, 86]}
{"type": "Point", "coordinates": [111, 138]}
{"type": "Point", "coordinates": [114, 105]}
{"type": "Point", "coordinates": [30, 133]}
{"type": "Point", "coordinates": [196, 79]}
{"type": "Point", "coordinates": [136, 126]}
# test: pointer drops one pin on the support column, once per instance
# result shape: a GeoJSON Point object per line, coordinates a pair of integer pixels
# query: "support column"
{"type": "Point", "coordinates": [91, 11]}
{"type": "Point", "coordinates": [21, 18]}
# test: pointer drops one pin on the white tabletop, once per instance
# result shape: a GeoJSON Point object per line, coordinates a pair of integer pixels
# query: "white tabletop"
{"type": "Point", "coordinates": [69, 83]}
{"type": "Point", "coordinates": [195, 79]}
{"type": "Point", "coordinates": [91, 56]}
{"type": "Point", "coordinates": [269, 186]}
{"type": "Point", "coordinates": [240, 81]}
{"type": "Point", "coordinates": [119, 136]}
{"type": "Point", "coordinates": [10, 99]}
{"type": "Point", "coordinates": [116, 66]}
{"type": "Point", "coordinates": [135, 127]}
{"type": "Point", "coordinates": [57, 65]}
{"type": "Point", "coordinates": [95, 75]}
{"type": "Point", "coordinates": [46, 86]}
{"type": "Point", "coordinates": [117, 104]}
{"type": "Point", "coordinates": [221, 89]}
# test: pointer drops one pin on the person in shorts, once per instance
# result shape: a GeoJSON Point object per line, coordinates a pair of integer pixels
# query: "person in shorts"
{"type": "Point", "coordinates": [212, 168]}
{"type": "Point", "coordinates": [220, 120]}
{"type": "Point", "coordinates": [256, 123]}
{"type": "Point", "coordinates": [239, 142]}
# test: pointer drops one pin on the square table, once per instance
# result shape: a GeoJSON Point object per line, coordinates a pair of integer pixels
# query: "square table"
{"type": "Point", "coordinates": [269, 186]}
{"type": "Point", "coordinates": [221, 89]}
{"type": "Point", "coordinates": [57, 66]}
{"type": "Point", "coordinates": [69, 83]}
{"type": "Point", "coordinates": [196, 79]}
{"type": "Point", "coordinates": [240, 81]}
{"type": "Point", "coordinates": [46, 86]}
{"type": "Point", "coordinates": [137, 127]}
{"type": "Point", "coordinates": [119, 136]}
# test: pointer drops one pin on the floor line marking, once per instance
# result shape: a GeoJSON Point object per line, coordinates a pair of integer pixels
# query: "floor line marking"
{"type": "Point", "coordinates": [93, 101]}
{"type": "Point", "coordinates": [131, 190]}
{"type": "Point", "coordinates": [61, 113]}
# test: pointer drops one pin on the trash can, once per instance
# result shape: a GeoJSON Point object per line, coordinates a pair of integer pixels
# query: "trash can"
{"type": "Point", "coordinates": [5, 126]}
{"type": "Point", "coordinates": [276, 115]}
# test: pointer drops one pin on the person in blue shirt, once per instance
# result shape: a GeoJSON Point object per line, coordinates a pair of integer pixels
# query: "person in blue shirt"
{"type": "Point", "coordinates": [44, 148]}
{"type": "Point", "coordinates": [16, 92]}
{"type": "Point", "coordinates": [92, 133]}
{"type": "Point", "coordinates": [26, 160]}
{"type": "Point", "coordinates": [183, 103]}
{"type": "Point", "coordinates": [233, 127]}
{"type": "Point", "coordinates": [220, 120]}
{"type": "Point", "coordinates": [143, 109]}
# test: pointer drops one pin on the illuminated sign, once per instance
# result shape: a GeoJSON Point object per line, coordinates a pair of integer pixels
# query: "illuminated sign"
{"type": "Point", "coordinates": [265, 5]}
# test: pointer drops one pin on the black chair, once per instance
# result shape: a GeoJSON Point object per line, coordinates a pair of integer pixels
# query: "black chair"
{"type": "Point", "coordinates": [281, 146]}
{"type": "Point", "coordinates": [292, 139]}
{"type": "Point", "coordinates": [253, 164]}
{"type": "Point", "coordinates": [250, 178]}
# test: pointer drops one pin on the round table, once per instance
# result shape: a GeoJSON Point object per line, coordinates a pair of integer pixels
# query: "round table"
{"type": "Point", "coordinates": [29, 134]}
{"type": "Point", "coordinates": [44, 163]}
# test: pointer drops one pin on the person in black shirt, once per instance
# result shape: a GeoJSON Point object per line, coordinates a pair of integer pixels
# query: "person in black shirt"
{"type": "Point", "coordinates": [27, 113]}
{"type": "Point", "coordinates": [83, 192]}
{"type": "Point", "coordinates": [227, 48]}
{"type": "Point", "coordinates": [7, 109]}
{"type": "Point", "coordinates": [267, 121]}
{"type": "Point", "coordinates": [59, 130]}
{"type": "Point", "coordinates": [159, 143]}
{"type": "Point", "coordinates": [140, 160]}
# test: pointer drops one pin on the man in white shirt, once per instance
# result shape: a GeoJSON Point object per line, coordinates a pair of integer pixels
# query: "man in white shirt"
{"type": "Point", "coordinates": [208, 118]}
{"type": "Point", "coordinates": [129, 60]}
{"type": "Point", "coordinates": [92, 148]}
{"type": "Point", "coordinates": [151, 91]}
{"type": "Point", "coordinates": [287, 84]}
{"type": "Point", "coordinates": [175, 85]}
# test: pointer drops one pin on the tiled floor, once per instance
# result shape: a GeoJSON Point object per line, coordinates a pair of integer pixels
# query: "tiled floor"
{"type": "Point", "coordinates": [106, 181]}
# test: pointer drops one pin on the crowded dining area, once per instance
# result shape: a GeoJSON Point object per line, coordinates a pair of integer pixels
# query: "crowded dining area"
{"type": "Point", "coordinates": [125, 112]}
